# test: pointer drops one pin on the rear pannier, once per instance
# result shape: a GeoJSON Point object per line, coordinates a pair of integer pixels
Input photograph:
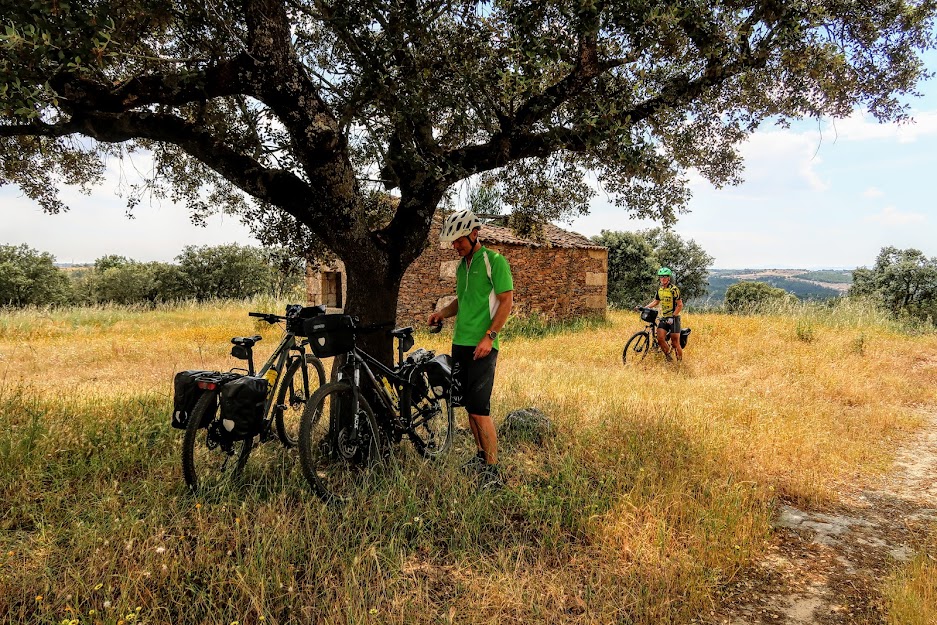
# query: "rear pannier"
{"type": "Point", "coordinates": [185, 395]}
{"type": "Point", "coordinates": [330, 335]}
{"type": "Point", "coordinates": [684, 335]}
{"type": "Point", "coordinates": [242, 407]}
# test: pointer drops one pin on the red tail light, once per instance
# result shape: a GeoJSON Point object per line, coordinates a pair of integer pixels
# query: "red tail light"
{"type": "Point", "coordinates": [207, 386]}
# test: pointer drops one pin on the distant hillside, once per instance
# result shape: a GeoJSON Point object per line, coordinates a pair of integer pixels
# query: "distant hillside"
{"type": "Point", "coordinates": [814, 285]}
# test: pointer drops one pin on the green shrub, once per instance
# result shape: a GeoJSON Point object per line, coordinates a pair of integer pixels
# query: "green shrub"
{"type": "Point", "coordinates": [750, 297]}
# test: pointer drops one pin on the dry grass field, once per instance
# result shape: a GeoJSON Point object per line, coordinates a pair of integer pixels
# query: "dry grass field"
{"type": "Point", "coordinates": [655, 494]}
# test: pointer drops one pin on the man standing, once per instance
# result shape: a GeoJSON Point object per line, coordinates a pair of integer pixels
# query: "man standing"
{"type": "Point", "coordinates": [484, 296]}
{"type": "Point", "coordinates": [671, 303]}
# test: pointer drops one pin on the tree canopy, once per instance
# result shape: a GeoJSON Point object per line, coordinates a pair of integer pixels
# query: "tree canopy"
{"type": "Point", "coordinates": [901, 281]}
{"type": "Point", "coordinates": [294, 112]}
{"type": "Point", "coordinates": [635, 257]}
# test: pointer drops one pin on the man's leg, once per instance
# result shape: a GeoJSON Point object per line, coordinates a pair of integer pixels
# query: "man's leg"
{"type": "Point", "coordinates": [486, 437]}
{"type": "Point", "coordinates": [662, 340]}
{"type": "Point", "coordinates": [675, 340]}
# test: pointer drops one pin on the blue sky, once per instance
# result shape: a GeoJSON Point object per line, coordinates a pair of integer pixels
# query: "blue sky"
{"type": "Point", "coordinates": [827, 195]}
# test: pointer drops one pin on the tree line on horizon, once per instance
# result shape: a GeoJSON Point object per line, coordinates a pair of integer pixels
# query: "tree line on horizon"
{"type": "Point", "coordinates": [29, 277]}
{"type": "Point", "coordinates": [903, 282]}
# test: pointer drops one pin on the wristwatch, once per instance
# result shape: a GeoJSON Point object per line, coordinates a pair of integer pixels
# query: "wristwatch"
{"type": "Point", "coordinates": [492, 334]}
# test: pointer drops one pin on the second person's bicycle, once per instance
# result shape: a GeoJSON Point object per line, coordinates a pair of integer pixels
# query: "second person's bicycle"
{"type": "Point", "coordinates": [342, 436]}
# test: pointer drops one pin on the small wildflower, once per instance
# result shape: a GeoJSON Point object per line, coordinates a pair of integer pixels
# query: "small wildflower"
{"type": "Point", "coordinates": [92, 612]}
{"type": "Point", "coordinates": [235, 623]}
{"type": "Point", "coordinates": [198, 506]}
{"type": "Point", "coordinates": [160, 549]}
{"type": "Point", "coordinates": [262, 618]}
{"type": "Point", "coordinates": [38, 597]}
{"type": "Point", "coordinates": [372, 611]}
{"type": "Point", "coordinates": [237, 520]}
{"type": "Point", "coordinates": [98, 586]}
{"type": "Point", "coordinates": [107, 603]}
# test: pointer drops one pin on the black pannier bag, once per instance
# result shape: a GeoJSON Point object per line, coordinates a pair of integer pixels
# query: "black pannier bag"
{"type": "Point", "coordinates": [684, 335]}
{"type": "Point", "coordinates": [439, 374]}
{"type": "Point", "coordinates": [296, 322]}
{"type": "Point", "coordinates": [330, 335]}
{"type": "Point", "coordinates": [242, 407]}
{"type": "Point", "coordinates": [186, 394]}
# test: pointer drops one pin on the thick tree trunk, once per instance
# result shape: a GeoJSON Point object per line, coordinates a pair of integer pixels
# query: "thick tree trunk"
{"type": "Point", "coordinates": [372, 290]}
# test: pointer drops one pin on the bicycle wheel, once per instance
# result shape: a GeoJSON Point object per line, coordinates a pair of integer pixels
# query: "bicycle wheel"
{"type": "Point", "coordinates": [295, 390]}
{"type": "Point", "coordinates": [206, 462]}
{"type": "Point", "coordinates": [337, 458]}
{"type": "Point", "coordinates": [433, 426]}
{"type": "Point", "coordinates": [636, 348]}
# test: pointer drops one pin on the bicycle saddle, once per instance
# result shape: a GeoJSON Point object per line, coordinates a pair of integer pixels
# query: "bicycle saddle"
{"type": "Point", "coordinates": [247, 341]}
{"type": "Point", "coordinates": [402, 332]}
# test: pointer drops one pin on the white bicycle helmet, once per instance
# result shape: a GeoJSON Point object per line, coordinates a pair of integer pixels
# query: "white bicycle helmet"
{"type": "Point", "coordinates": [458, 224]}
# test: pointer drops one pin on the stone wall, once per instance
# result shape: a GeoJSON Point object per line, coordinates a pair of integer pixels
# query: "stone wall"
{"type": "Point", "coordinates": [558, 282]}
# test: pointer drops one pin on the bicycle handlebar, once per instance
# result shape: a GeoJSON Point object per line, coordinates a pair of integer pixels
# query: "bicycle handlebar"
{"type": "Point", "coordinates": [268, 317]}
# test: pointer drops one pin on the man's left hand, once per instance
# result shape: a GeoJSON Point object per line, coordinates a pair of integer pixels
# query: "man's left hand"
{"type": "Point", "coordinates": [483, 348]}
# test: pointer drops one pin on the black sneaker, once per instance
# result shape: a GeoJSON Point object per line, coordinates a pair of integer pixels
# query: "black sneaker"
{"type": "Point", "coordinates": [474, 464]}
{"type": "Point", "coordinates": [490, 479]}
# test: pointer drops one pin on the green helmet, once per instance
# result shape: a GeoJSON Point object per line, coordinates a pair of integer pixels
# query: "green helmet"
{"type": "Point", "coordinates": [663, 271]}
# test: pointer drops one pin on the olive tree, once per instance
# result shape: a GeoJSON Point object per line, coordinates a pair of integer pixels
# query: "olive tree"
{"type": "Point", "coordinates": [293, 113]}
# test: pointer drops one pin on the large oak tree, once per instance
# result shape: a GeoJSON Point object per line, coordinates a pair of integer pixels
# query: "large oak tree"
{"type": "Point", "coordinates": [295, 112]}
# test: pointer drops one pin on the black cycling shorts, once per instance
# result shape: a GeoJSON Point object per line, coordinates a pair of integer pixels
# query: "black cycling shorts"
{"type": "Point", "coordinates": [670, 328]}
{"type": "Point", "coordinates": [472, 380]}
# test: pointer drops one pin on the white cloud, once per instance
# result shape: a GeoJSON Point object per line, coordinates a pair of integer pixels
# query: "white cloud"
{"type": "Point", "coordinates": [778, 161]}
{"type": "Point", "coordinates": [863, 127]}
{"type": "Point", "coordinates": [873, 192]}
{"type": "Point", "coordinates": [891, 216]}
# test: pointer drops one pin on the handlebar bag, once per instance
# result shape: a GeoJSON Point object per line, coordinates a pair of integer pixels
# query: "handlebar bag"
{"type": "Point", "coordinates": [330, 335]}
{"type": "Point", "coordinates": [296, 322]}
{"type": "Point", "coordinates": [242, 407]}
{"type": "Point", "coordinates": [186, 394]}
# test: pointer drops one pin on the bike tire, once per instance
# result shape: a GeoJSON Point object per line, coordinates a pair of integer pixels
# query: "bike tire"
{"type": "Point", "coordinates": [637, 347]}
{"type": "Point", "coordinates": [298, 385]}
{"type": "Point", "coordinates": [334, 467]}
{"type": "Point", "coordinates": [205, 463]}
{"type": "Point", "coordinates": [432, 434]}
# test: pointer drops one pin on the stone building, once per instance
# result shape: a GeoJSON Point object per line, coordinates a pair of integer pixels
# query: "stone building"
{"type": "Point", "coordinates": [561, 277]}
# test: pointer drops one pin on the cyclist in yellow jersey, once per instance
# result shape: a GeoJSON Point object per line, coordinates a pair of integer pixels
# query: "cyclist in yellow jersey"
{"type": "Point", "coordinates": [671, 303]}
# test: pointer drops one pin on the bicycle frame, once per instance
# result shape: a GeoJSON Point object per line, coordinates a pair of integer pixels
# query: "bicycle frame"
{"type": "Point", "coordinates": [358, 361]}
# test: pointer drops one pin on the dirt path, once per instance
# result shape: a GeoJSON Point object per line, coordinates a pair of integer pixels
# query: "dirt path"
{"type": "Point", "coordinates": [827, 567]}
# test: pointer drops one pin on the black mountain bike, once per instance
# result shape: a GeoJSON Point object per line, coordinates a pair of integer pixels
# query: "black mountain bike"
{"type": "Point", "coordinates": [341, 436]}
{"type": "Point", "coordinates": [208, 454]}
{"type": "Point", "coordinates": [643, 341]}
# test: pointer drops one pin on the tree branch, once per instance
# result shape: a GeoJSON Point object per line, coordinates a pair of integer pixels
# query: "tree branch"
{"type": "Point", "coordinates": [172, 89]}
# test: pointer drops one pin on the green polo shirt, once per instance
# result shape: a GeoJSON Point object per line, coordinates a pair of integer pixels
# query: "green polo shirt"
{"type": "Point", "coordinates": [477, 295]}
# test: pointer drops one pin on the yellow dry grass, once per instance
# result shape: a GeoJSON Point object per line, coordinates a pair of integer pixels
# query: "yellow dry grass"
{"type": "Point", "coordinates": [656, 492]}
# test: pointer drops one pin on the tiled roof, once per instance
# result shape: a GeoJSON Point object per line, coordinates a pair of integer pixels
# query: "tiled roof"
{"type": "Point", "coordinates": [552, 237]}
